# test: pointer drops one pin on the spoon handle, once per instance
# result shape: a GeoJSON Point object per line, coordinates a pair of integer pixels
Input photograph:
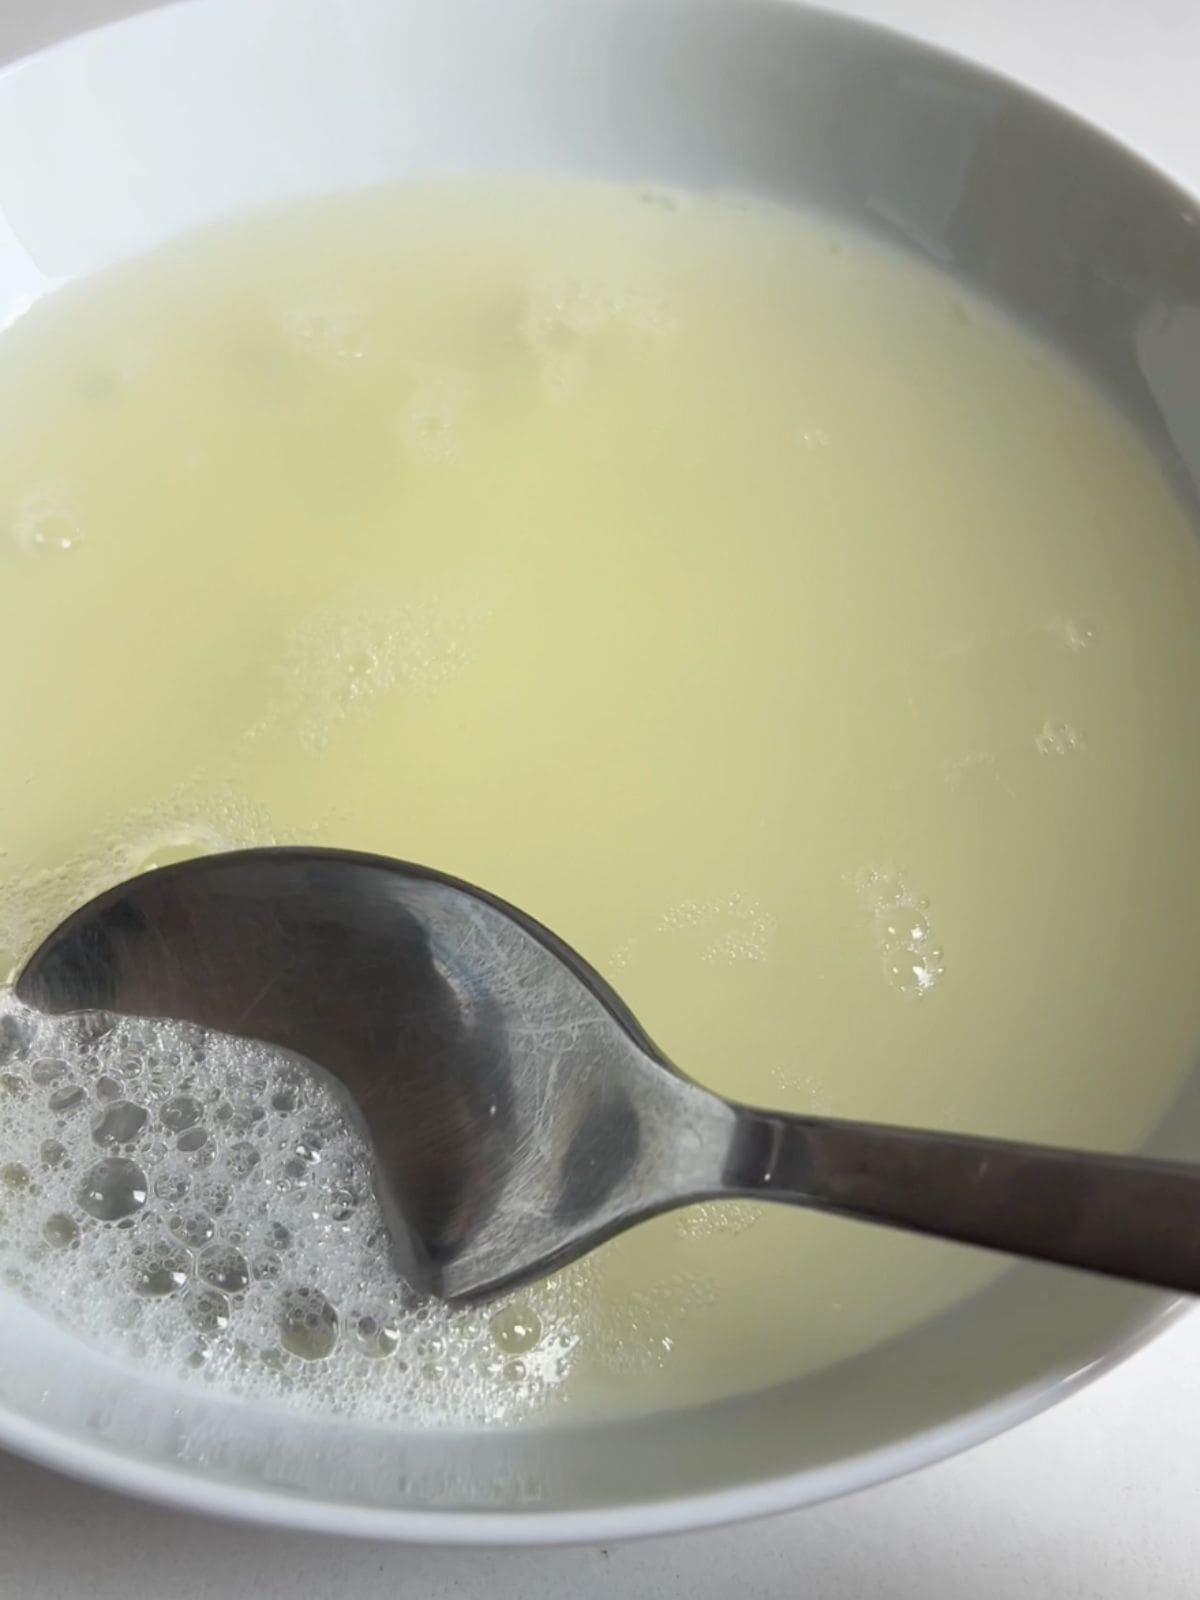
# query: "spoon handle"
{"type": "Point", "coordinates": [1125, 1216]}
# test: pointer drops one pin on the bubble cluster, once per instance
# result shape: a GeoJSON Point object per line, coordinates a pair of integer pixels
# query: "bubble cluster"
{"type": "Point", "coordinates": [46, 521]}
{"type": "Point", "coordinates": [724, 930]}
{"type": "Point", "coordinates": [812, 438]}
{"type": "Point", "coordinates": [564, 315]}
{"type": "Point", "coordinates": [340, 660]}
{"type": "Point", "coordinates": [199, 1204]}
{"type": "Point", "coordinates": [1058, 739]}
{"type": "Point", "coordinates": [327, 324]}
{"type": "Point", "coordinates": [911, 959]}
{"type": "Point", "coordinates": [1075, 633]}
{"type": "Point", "coordinates": [715, 1219]}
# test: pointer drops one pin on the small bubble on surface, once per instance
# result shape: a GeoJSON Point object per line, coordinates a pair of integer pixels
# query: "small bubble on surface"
{"type": "Point", "coordinates": [1058, 739]}
{"type": "Point", "coordinates": [1076, 633]}
{"type": "Point", "coordinates": [812, 438]}
{"type": "Point", "coordinates": [903, 932]}
{"type": "Point", "coordinates": [68, 1098]}
{"type": "Point", "coordinates": [46, 521]}
{"type": "Point", "coordinates": [516, 1329]}
{"type": "Point", "coordinates": [326, 323]}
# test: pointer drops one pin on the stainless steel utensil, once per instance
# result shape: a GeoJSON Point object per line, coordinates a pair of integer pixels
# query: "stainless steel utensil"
{"type": "Point", "coordinates": [518, 1114]}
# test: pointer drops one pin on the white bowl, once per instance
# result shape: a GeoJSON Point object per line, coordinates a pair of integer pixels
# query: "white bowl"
{"type": "Point", "coordinates": [118, 139]}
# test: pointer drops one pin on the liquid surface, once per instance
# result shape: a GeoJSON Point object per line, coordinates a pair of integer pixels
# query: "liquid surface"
{"type": "Point", "coordinates": [799, 640]}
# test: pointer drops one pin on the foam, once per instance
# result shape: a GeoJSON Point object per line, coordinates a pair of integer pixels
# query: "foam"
{"type": "Point", "coordinates": [198, 1204]}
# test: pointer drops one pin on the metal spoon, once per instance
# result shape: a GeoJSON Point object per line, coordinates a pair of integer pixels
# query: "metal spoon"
{"type": "Point", "coordinates": [518, 1114]}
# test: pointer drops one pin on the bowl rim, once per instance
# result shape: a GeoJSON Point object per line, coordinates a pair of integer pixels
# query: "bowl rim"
{"type": "Point", "coordinates": [181, 1489]}
{"type": "Point", "coordinates": [186, 1489]}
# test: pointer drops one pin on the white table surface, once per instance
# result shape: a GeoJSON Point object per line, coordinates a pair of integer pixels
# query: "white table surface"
{"type": "Point", "coordinates": [1098, 1499]}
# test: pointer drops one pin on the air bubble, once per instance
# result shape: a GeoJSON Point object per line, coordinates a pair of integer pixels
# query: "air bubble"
{"type": "Point", "coordinates": [191, 1140]}
{"type": "Point", "coordinates": [181, 1112]}
{"type": "Point", "coordinates": [224, 1268]}
{"type": "Point", "coordinates": [47, 1070]}
{"type": "Point", "coordinates": [113, 1188]}
{"type": "Point", "coordinates": [903, 933]}
{"type": "Point", "coordinates": [376, 1336]}
{"type": "Point", "coordinates": [60, 1231]}
{"type": "Point", "coordinates": [1077, 633]}
{"type": "Point", "coordinates": [309, 1325]}
{"type": "Point", "coordinates": [53, 1153]}
{"type": "Point", "coordinates": [120, 1123]}
{"type": "Point", "coordinates": [516, 1329]}
{"type": "Point", "coordinates": [914, 970]}
{"type": "Point", "coordinates": [69, 1098]}
{"type": "Point", "coordinates": [15, 1177]}
{"type": "Point", "coordinates": [108, 1088]}
{"type": "Point", "coordinates": [898, 928]}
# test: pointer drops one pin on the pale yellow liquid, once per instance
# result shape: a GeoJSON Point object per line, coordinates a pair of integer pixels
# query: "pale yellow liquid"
{"type": "Point", "coordinates": [802, 642]}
